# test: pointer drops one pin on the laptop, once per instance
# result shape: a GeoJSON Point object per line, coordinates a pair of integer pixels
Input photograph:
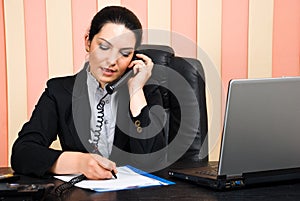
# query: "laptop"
{"type": "Point", "coordinates": [260, 139]}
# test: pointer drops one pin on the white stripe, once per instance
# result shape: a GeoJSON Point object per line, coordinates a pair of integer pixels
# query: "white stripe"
{"type": "Point", "coordinates": [260, 38]}
{"type": "Point", "coordinates": [159, 22]}
{"type": "Point", "coordinates": [59, 37]}
{"type": "Point", "coordinates": [16, 68]}
{"type": "Point", "coordinates": [209, 16]}
{"type": "Point", "coordinates": [104, 3]}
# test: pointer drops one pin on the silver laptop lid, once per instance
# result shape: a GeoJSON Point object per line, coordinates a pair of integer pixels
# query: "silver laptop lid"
{"type": "Point", "coordinates": [262, 126]}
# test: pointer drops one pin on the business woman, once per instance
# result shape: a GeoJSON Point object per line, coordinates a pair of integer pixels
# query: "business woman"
{"type": "Point", "coordinates": [94, 127]}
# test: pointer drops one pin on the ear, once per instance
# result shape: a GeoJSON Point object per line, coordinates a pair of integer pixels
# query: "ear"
{"type": "Point", "coordinates": [87, 42]}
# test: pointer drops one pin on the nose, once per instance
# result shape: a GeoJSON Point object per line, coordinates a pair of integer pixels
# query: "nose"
{"type": "Point", "coordinates": [112, 58]}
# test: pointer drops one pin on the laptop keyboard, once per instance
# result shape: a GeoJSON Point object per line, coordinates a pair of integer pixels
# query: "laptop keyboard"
{"type": "Point", "coordinates": [211, 170]}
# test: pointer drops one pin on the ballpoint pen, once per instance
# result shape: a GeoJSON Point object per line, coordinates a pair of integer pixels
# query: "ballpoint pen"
{"type": "Point", "coordinates": [114, 174]}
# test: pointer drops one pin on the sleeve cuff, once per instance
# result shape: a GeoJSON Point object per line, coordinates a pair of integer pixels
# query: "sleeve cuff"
{"type": "Point", "coordinates": [142, 120]}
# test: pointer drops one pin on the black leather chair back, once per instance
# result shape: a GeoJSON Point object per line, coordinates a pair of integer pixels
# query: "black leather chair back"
{"type": "Point", "coordinates": [191, 71]}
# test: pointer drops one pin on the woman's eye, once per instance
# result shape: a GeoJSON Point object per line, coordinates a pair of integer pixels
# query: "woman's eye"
{"type": "Point", "coordinates": [103, 47]}
{"type": "Point", "coordinates": [125, 54]}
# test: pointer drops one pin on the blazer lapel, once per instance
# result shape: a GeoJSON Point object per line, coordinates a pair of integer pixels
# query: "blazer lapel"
{"type": "Point", "coordinates": [121, 138]}
{"type": "Point", "coordinates": [81, 110]}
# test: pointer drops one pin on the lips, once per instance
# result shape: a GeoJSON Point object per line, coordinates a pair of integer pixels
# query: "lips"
{"type": "Point", "coordinates": [108, 71]}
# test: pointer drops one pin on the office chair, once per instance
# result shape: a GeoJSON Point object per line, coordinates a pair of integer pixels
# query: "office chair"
{"type": "Point", "coordinates": [167, 66]}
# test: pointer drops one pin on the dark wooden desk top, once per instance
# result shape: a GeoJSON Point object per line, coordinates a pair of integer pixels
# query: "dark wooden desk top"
{"type": "Point", "coordinates": [180, 191]}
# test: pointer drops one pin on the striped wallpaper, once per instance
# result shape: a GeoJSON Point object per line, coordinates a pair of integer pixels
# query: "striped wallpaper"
{"type": "Point", "coordinates": [40, 39]}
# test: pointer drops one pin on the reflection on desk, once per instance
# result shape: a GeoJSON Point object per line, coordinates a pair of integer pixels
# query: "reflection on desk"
{"type": "Point", "coordinates": [180, 191]}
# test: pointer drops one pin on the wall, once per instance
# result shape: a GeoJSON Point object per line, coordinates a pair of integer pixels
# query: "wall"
{"type": "Point", "coordinates": [40, 39]}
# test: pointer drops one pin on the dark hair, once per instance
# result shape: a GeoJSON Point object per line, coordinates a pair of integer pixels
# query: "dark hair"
{"type": "Point", "coordinates": [117, 15]}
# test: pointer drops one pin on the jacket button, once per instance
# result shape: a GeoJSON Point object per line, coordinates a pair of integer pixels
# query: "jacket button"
{"type": "Point", "coordinates": [137, 123]}
{"type": "Point", "coordinates": [139, 129]}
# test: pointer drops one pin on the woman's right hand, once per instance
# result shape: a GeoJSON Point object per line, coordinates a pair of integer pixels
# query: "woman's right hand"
{"type": "Point", "coordinates": [93, 166]}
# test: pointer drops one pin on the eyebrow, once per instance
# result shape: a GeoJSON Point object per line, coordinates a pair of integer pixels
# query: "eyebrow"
{"type": "Point", "coordinates": [106, 41]}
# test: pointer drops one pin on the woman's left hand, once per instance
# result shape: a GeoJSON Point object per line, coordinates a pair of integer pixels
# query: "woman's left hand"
{"type": "Point", "coordinates": [142, 70]}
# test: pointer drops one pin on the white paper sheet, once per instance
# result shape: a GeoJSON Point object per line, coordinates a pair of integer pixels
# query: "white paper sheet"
{"type": "Point", "coordinates": [127, 178]}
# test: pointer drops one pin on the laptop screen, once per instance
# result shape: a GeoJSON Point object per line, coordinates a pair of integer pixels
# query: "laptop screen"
{"type": "Point", "coordinates": [262, 126]}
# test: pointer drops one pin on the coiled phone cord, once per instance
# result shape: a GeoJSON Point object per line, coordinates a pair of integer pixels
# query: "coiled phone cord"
{"type": "Point", "coordinates": [100, 119]}
{"type": "Point", "coordinates": [67, 185]}
{"type": "Point", "coordinates": [100, 107]}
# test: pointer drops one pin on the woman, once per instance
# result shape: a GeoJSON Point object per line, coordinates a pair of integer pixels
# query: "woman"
{"type": "Point", "coordinates": [91, 130]}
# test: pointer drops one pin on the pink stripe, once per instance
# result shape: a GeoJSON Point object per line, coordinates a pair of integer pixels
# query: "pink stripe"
{"type": "Point", "coordinates": [140, 8]}
{"type": "Point", "coordinates": [234, 44]}
{"type": "Point", "coordinates": [81, 19]}
{"type": "Point", "coordinates": [286, 38]}
{"type": "Point", "coordinates": [184, 27]}
{"type": "Point", "coordinates": [234, 40]}
{"type": "Point", "coordinates": [36, 50]}
{"type": "Point", "coordinates": [3, 94]}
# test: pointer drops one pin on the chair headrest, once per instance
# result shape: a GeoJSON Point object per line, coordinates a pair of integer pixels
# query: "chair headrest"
{"type": "Point", "coordinates": [160, 54]}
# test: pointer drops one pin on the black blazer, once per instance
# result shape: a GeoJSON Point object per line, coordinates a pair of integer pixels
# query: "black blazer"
{"type": "Point", "coordinates": [63, 110]}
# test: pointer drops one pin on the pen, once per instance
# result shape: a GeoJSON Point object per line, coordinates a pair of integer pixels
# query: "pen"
{"type": "Point", "coordinates": [114, 174]}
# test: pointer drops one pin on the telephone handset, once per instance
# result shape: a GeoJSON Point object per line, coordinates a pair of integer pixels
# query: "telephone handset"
{"type": "Point", "coordinates": [111, 87]}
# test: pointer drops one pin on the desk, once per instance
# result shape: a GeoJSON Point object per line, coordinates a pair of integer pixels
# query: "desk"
{"type": "Point", "coordinates": [180, 191]}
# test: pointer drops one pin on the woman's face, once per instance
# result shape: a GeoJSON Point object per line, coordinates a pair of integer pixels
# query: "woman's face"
{"type": "Point", "coordinates": [110, 52]}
